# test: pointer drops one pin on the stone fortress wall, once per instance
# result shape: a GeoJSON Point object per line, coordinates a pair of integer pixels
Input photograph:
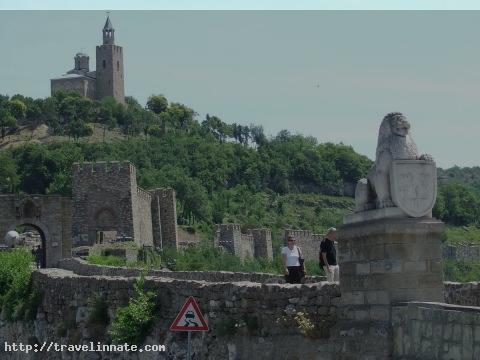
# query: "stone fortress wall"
{"type": "Point", "coordinates": [418, 327]}
{"type": "Point", "coordinates": [106, 198]}
{"type": "Point", "coordinates": [269, 308]}
{"type": "Point", "coordinates": [50, 215]}
{"type": "Point", "coordinates": [255, 243]}
{"type": "Point", "coordinates": [143, 220]}
{"type": "Point", "coordinates": [164, 210]}
{"type": "Point", "coordinates": [262, 243]}
{"type": "Point", "coordinates": [462, 252]}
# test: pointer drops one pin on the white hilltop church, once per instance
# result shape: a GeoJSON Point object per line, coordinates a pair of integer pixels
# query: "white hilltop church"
{"type": "Point", "coordinates": [108, 78]}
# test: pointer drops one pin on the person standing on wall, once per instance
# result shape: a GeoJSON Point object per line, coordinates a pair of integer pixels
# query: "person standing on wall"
{"type": "Point", "coordinates": [328, 255]}
{"type": "Point", "coordinates": [292, 262]}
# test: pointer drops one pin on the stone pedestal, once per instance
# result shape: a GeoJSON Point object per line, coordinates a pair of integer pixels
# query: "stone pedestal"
{"type": "Point", "coordinates": [384, 261]}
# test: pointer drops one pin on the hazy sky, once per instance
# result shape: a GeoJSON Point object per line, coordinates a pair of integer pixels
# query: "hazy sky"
{"type": "Point", "coordinates": [330, 74]}
{"type": "Point", "coordinates": [241, 4]}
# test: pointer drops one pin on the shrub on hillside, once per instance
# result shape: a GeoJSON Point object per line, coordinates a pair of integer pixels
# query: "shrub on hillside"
{"type": "Point", "coordinates": [133, 322]}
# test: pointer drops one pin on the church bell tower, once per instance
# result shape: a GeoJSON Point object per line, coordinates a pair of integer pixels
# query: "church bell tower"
{"type": "Point", "coordinates": [109, 71]}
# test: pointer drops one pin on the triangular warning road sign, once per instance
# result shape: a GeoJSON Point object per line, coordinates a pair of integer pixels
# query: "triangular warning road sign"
{"type": "Point", "coordinates": [189, 318]}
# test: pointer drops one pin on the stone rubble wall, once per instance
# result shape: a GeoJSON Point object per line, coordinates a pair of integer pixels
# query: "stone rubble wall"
{"type": "Point", "coordinates": [466, 294]}
{"type": "Point", "coordinates": [462, 252]}
{"type": "Point", "coordinates": [420, 330]}
{"type": "Point", "coordinates": [81, 267]}
{"type": "Point", "coordinates": [262, 238]}
{"type": "Point", "coordinates": [167, 203]}
{"type": "Point", "coordinates": [186, 238]}
{"type": "Point", "coordinates": [143, 217]}
{"type": "Point", "coordinates": [247, 246]}
{"type": "Point", "coordinates": [67, 295]}
{"type": "Point", "coordinates": [255, 243]}
{"type": "Point", "coordinates": [435, 331]}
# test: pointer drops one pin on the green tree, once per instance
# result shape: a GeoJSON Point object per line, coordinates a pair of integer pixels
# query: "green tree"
{"type": "Point", "coordinates": [9, 178]}
{"type": "Point", "coordinates": [17, 109]}
{"type": "Point", "coordinates": [105, 117]}
{"type": "Point", "coordinates": [155, 130]}
{"type": "Point", "coordinates": [257, 134]}
{"type": "Point", "coordinates": [6, 121]}
{"type": "Point", "coordinates": [34, 114]}
{"type": "Point", "coordinates": [131, 124]}
{"type": "Point", "coordinates": [49, 114]}
{"type": "Point", "coordinates": [216, 127]}
{"type": "Point", "coordinates": [157, 104]}
{"type": "Point", "coordinates": [462, 206]}
{"type": "Point", "coordinates": [178, 116]}
{"type": "Point", "coordinates": [37, 168]}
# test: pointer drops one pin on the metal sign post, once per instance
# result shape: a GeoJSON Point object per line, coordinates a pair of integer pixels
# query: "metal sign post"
{"type": "Point", "coordinates": [189, 346]}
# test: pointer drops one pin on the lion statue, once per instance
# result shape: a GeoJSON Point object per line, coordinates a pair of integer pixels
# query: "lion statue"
{"type": "Point", "coordinates": [394, 143]}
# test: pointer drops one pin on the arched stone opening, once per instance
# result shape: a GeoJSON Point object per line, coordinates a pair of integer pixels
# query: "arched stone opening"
{"type": "Point", "coordinates": [43, 238]}
{"type": "Point", "coordinates": [105, 225]}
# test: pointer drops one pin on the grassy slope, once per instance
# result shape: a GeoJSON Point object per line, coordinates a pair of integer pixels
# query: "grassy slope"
{"type": "Point", "coordinates": [465, 235]}
{"type": "Point", "coordinates": [41, 135]}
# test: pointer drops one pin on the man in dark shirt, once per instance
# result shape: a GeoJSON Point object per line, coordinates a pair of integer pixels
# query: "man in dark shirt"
{"type": "Point", "coordinates": [328, 255]}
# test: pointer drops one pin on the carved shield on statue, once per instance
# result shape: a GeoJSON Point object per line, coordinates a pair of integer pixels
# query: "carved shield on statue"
{"type": "Point", "coordinates": [413, 185]}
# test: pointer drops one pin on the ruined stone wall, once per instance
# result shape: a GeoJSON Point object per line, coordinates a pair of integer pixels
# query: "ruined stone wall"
{"type": "Point", "coordinates": [164, 213]}
{"type": "Point", "coordinates": [247, 248]}
{"type": "Point", "coordinates": [262, 240]}
{"type": "Point", "coordinates": [156, 222]}
{"type": "Point", "coordinates": [271, 308]}
{"type": "Point", "coordinates": [467, 294]}
{"type": "Point", "coordinates": [307, 241]}
{"type": "Point", "coordinates": [229, 237]}
{"type": "Point", "coordinates": [255, 243]}
{"type": "Point", "coordinates": [102, 200]}
{"type": "Point", "coordinates": [49, 214]}
{"type": "Point", "coordinates": [143, 218]}
{"type": "Point", "coordinates": [186, 238]}
{"type": "Point", "coordinates": [462, 252]}
{"type": "Point", "coordinates": [435, 331]}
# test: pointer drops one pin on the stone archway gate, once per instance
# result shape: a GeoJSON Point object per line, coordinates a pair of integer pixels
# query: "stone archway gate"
{"type": "Point", "coordinates": [49, 213]}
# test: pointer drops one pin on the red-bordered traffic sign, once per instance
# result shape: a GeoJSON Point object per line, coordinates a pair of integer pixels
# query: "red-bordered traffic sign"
{"type": "Point", "coordinates": [189, 318]}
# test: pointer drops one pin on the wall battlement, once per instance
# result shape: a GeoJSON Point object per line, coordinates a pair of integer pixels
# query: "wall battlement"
{"type": "Point", "coordinates": [254, 243]}
{"type": "Point", "coordinates": [262, 239]}
{"type": "Point", "coordinates": [144, 195]}
{"type": "Point", "coordinates": [298, 233]}
{"type": "Point", "coordinates": [103, 167]}
{"type": "Point", "coordinates": [230, 227]}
